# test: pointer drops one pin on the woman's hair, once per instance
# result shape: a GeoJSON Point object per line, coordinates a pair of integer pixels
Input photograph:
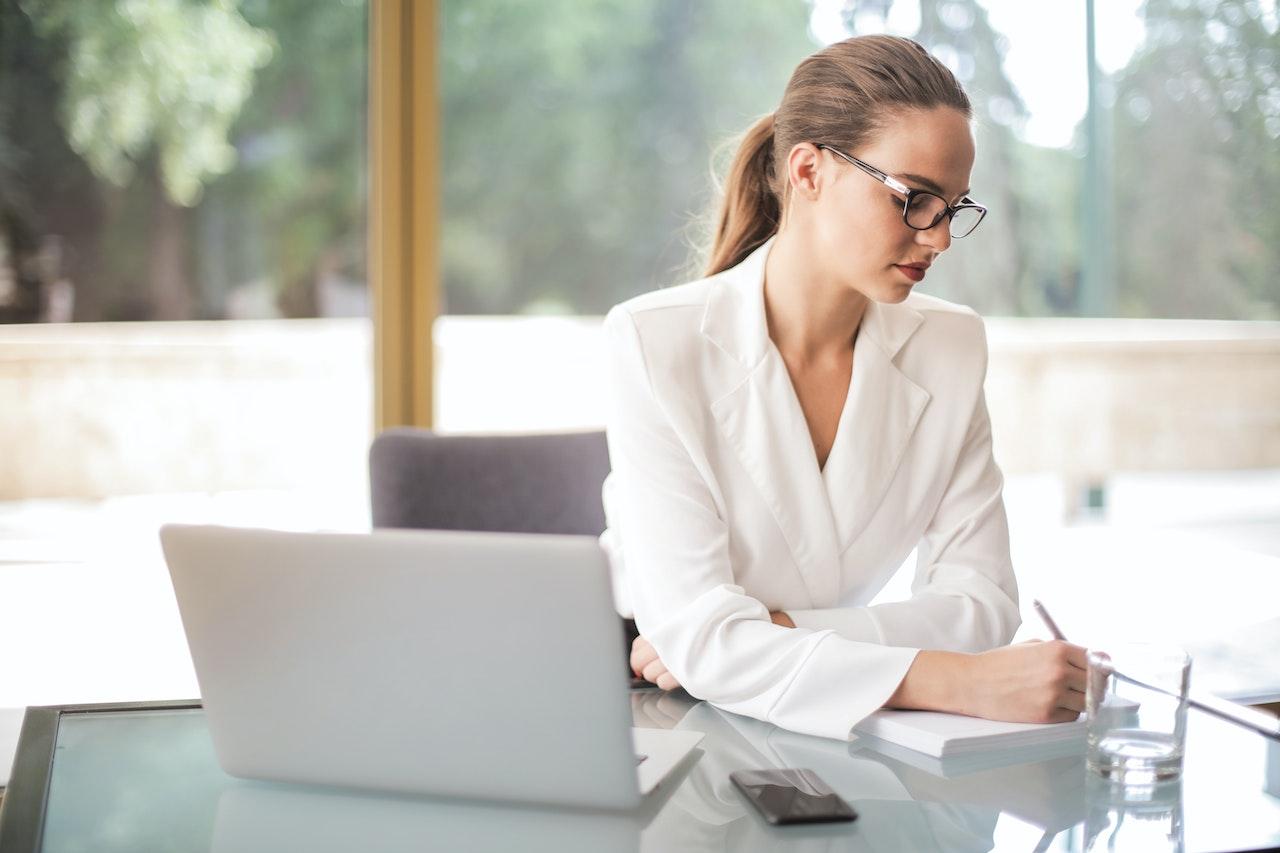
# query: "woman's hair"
{"type": "Point", "coordinates": [842, 95]}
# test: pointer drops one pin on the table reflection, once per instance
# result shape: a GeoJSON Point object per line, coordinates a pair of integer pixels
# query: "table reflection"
{"type": "Point", "coordinates": [1147, 818]}
{"type": "Point", "coordinates": [707, 813]}
{"type": "Point", "coordinates": [148, 780]}
{"type": "Point", "coordinates": [260, 816]}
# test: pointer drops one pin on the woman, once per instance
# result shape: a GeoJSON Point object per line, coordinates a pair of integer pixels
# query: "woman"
{"type": "Point", "coordinates": [785, 431]}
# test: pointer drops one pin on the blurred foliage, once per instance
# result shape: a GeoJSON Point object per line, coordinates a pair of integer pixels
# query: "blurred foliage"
{"type": "Point", "coordinates": [294, 212]}
{"type": "Point", "coordinates": [1189, 131]}
{"type": "Point", "coordinates": [253, 112]}
{"type": "Point", "coordinates": [579, 139]}
{"type": "Point", "coordinates": [994, 270]}
{"type": "Point", "coordinates": [168, 73]}
{"type": "Point", "coordinates": [616, 142]}
{"type": "Point", "coordinates": [1197, 163]}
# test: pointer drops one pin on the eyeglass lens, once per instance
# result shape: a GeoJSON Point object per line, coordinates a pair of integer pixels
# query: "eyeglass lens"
{"type": "Point", "coordinates": [925, 209]}
{"type": "Point", "coordinates": [964, 220]}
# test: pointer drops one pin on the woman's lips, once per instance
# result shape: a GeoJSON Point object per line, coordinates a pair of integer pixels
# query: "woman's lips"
{"type": "Point", "coordinates": [913, 273]}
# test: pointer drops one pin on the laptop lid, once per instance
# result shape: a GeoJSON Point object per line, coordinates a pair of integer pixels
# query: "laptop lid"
{"type": "Point", "coordinates": [439, 662]}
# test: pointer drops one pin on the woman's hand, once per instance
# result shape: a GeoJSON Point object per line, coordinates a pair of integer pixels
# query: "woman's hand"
{"type": "Point", "coordinates": [1031, 682]}
{"type": "Point", "coordinates": [646, 664]}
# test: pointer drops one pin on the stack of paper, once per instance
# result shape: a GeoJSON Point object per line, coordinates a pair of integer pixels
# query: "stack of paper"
{"type": "Point", "coordinates": [946, 735]}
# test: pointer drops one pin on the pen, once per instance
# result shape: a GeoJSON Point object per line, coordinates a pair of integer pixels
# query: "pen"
{"type": "Point", "coordinates": [1221, 708]}
{"type": "Point", "coordinates": [1047, 619]}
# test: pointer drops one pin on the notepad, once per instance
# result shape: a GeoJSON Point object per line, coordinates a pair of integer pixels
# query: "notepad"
{"type": "Point", "coordinates": [947, 735]}
{"type": "Point", "coordinates": [955, 766]}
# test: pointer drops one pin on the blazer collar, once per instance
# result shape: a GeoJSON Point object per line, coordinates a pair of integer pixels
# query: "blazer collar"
{"type": "Point", "coordinates": [734, 317]}
{"type": "Point", "coordinates": [822, 512]}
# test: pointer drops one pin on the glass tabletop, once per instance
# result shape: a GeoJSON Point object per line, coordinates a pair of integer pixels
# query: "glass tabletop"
{"type": "Point", "coordinates": [148, 780]}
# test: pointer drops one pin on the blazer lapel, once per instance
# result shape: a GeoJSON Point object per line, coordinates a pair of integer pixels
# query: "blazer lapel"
{"type": "Point", "coordinates": [761, 419]}
{"type": "Point", "coordinates": [879, 417]}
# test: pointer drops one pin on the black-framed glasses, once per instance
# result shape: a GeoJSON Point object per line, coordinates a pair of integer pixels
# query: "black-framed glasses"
{"type": "Point", "coordinates": [922, 209]}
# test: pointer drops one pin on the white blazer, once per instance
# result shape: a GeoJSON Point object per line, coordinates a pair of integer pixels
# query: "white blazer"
{"type": "Point", "coordinates": [718, 513]}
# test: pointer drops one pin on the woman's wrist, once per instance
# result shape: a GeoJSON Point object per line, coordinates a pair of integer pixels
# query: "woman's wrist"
{"type": "Point", "coordinates": [936, 681]}
{"type": "Point", "coordinates": [779, 617]}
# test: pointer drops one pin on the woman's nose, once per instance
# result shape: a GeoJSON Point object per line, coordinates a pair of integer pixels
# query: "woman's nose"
{"type": "Point", "coordinates": [938, 237]}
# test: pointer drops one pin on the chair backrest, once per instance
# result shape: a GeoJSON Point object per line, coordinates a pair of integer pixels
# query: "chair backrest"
{"type": "Point", "coordinates": [539, 483]}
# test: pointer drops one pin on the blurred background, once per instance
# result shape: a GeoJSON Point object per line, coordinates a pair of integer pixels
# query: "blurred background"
{"type": "Point", "coordinates": [185, 326]}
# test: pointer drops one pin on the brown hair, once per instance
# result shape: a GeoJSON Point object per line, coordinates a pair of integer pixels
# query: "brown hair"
{"type": "Point", "coordinates": [842, 95]}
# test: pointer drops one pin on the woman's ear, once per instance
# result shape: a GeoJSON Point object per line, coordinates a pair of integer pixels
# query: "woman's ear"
{"type": "Point", "coordinates": [804, 170]}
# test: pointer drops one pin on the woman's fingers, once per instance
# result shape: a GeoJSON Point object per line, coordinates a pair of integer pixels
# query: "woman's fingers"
{"type": "Point", "coordinates": [1075, 657]}
{"type": "Point", "coordinates": [653, 671]}
{"type": "Point", "coordinates": [642, 654]}
{"type": "Point", "coordinates": [1077, 665]}
{"type": "Point", "coordinates": [646, 664]}
{"type": "Point", "coordinates": [1073, 700]}
{"type": "Point", "coordinates": [1063, 715]}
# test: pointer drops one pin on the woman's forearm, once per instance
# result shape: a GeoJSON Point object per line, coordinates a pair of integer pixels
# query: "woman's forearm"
{"type": "Point", "coordinates": [936, 681]}
{"type": "Point", "coordinates": [1031, 682]}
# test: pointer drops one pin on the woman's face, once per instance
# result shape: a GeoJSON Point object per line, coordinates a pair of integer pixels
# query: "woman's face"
{"type": "Point", "coordinates": [857, 221]}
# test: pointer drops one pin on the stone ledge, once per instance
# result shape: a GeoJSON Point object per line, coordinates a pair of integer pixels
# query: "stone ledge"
{"type": "Point", "coordinates": [122, 408]}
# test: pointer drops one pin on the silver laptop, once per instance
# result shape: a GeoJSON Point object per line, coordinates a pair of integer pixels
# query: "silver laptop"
{"type": "Point", "coordinates": [482, 665]}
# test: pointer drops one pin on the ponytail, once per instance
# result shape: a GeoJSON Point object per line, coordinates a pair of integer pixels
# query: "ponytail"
{"type": "Point", "coordinates": [749, 211]}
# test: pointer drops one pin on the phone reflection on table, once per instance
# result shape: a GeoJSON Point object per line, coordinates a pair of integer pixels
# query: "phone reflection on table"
{"type": "Point", "coordinates": [708, 812]}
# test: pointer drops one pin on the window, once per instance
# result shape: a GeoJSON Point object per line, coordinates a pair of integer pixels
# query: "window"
{"type": "Point", "coordinates": [184, 330]}
{"type": "Point", "coordinates": [182, 161]}
{"type": "Point", "coordinates": [1154, 203]}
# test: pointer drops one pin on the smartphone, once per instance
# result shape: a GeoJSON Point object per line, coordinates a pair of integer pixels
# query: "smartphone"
{"type": "Point", "coordinates": [792, 796]}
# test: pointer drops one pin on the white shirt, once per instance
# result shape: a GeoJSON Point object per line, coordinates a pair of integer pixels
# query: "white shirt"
{"type": "Point", "coordinates": [719, 513]}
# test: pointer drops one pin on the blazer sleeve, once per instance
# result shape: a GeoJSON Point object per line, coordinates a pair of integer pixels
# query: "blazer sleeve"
{"type": "Point", "coordinates": [714, 638]}
{"type": "Point", "coordinates": [964, 594]}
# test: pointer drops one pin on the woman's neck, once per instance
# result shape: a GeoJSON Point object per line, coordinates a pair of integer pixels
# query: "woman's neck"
{"type": "Point", "coordinates": [811, 317]}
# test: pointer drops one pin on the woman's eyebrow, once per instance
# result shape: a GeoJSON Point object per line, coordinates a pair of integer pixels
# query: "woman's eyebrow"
{"type": "Point", "coordinates": [929, 185]}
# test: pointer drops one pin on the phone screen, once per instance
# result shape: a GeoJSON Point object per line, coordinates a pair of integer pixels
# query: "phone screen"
{"type": "Point", "coordinates": [792, 796]}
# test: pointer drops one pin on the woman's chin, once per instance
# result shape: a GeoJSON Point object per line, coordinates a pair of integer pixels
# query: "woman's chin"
{"type": "Point", "coordinates": [893, 293]}
{"type": "Point", "coordinates": [893, 290]}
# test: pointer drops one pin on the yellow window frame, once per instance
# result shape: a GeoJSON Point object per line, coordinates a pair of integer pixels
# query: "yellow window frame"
{"type": "Point", "coordinates": [404, 210]}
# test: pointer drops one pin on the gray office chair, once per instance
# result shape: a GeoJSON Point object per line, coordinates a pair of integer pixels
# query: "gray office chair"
{"type": "Point", "coordinates": [542, 483]}
{"type": "Point", "coordinates": [546, 483]}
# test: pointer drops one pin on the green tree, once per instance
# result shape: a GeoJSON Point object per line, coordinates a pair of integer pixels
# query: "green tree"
{"type": "Point", "coordinates": [578, 135]}
{"type": "Point", "coordinates": [147, 94]}
{"type": "Point", "coordinates": [1197, 120]}
{"type": "Point", "coordinates": [294, 211]}
{"type": "Point", "coordinates": [172, 74]}
{"type": "Point", "coordinates": [252, 113]}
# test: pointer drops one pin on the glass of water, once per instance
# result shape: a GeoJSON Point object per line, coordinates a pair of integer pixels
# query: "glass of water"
{"type": "Point", "coordinates": [1136, 702]}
